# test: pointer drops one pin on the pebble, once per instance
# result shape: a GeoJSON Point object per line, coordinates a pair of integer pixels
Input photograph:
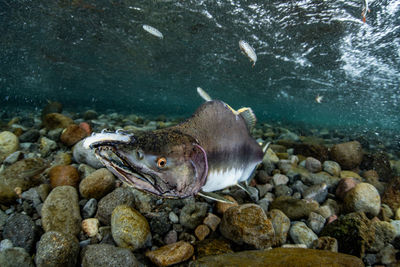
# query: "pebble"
{"type": "Point", "coordinates": [363, 198]}
{"type": "Point", "coordinates": [192, 214]}
{"type": "Point", "coordinates": [222, 207]}
{"type": "Point", "coordinates": [56, 120]}
{"type": "Point", "coordinates": [105, 207]}
{"type": "Point", "coordinates": [9, 143]}
{"type": "Point", "coordinates": [21, 230]}
{"type": "Point", "coordinates": [263, 189]}
{"type": "Point", "coordinates": [89, 209]}
{"type": "Point", "coordinates": [171, 254]}
{"type": "Point", "coordinates": [46, 146]}
{"type": "Point", "coordinates": [62, 158]}
{"type": "Point", "coordinates": [283, 190]}
{"type": "Point", "coordinates": [15, 257]}
{"type": "Point", "coordinates": [13, 157]}
{"type": "Point", "coordinates": [108, 255]}
{"type": "Point", "coordinates": [253, 193]}
{"type": "Point", "coordinates": [332, 167]}
{"type": "Point", "coordinates": [85, 170]}
{"type": "Point", "coordinates": [344, 186]}
{"type": "Point", "coordinates": [97, 184]}
{"type": "Point", "coordinates": [202, 231]}
{"type": "Point", "coordinates": [90, 227]}
{"type": "Point", "coordinates": [349, 155]}
{"type": "Point", "coordinates": [280, 179]}
{"type": "Point", "coordinates": [53, 134]}
{"type": "Point", "coordinates": [316, 222]}
{"type": "Point", "coordinates": [64, 175]}
{"type": "Point", "coordinates": [173, 217]}
{"type": "Point", "coordinates": [5, 244]}
{"type": "Point", "coordinates": [32, 195]}
{"type": "Point", "coordinates": [57, 249]}
{"type": "Point", "coordinates": [281, 224]}
{"type": "Point", "coordinates": [129, 228]}
{"type": "Point", "coordinates": [60, 211]}
{"type": "Point", "coordinates": [301, 234]}
{"type": "Point", "coordinates": [159, 222]}
{"type": "Point", "coordinates": [212, 221]}
{"type": "Point", "coordinates": [313, 165]}
{"type": "Point", "coordinates": [72, 135]}
{"type": "Point", "coordinates": [248, 224]}
{"type": "Point", "coordinates": [86, 156]}
{"type": "Point", "coordinates": [171, 237]}
{"type": "Point", "coordinates": [317, 192]}
{"type": "Point", "coordinates": [32, 135]}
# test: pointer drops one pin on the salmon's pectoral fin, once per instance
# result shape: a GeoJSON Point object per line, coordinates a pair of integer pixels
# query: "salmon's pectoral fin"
{"type": "Point", "coordinates": [203, 94]}
{"type": "Point", "coordinates": [215, 197]}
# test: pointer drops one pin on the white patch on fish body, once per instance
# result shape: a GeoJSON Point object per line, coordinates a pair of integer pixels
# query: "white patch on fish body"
{"type": "Point", "coordinates": [248, 50]}
{"type": "Point", "coordinates": [220, 179]}
{"type": "Point", "coordinates": [99, 137]}
{"type": "Point", "coordinates": [153, 31]}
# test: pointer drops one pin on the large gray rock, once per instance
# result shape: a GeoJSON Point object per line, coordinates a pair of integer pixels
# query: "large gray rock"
{"type": "Point", "coordinates": [57, 249]}
{"type": "Point", "coordinates": [301, 234]}
{"type": "Point", "coordinates": [60, 211]}
{"type": "Point", "coordinates": [193, 214]}
{"type": "Point", "coordinates": [15, 257]}
{"type": "Point", "coordinates": [21, 230]}
{"type": "Point", "coordinates": [104, 255]}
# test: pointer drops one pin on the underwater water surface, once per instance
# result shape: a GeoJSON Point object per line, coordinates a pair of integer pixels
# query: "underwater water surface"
{"type": "Point", "coordinates": [96, 55]}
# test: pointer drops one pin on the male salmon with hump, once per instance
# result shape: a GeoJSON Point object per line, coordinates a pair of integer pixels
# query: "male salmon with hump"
{"type": "Point", "coordinates": [211, 150]}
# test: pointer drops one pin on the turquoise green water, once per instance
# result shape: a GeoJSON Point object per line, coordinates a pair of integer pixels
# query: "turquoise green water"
{"type": "Point", "coordinates": [95, 55]}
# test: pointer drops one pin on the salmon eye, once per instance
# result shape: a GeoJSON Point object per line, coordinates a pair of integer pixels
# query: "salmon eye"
{"type": "Point", "coordinates": [161, 162]}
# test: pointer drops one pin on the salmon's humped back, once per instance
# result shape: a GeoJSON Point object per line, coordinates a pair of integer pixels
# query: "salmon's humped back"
{"type": "Point", "coordinates": [231, 151]}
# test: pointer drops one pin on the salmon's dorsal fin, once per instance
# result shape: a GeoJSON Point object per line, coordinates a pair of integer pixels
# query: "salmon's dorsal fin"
{"type": "Point", "coordinates": [215, 197]}
{"type": "Point", "coordinates": [249, 117]}
{"type": "Point", "coordinates": [203, 94]}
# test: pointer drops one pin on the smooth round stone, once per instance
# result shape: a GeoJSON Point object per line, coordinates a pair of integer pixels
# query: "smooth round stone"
{"type": "Point", "coordinates": [349, 155]}
{"type": "Point", "coordinates": [5, 244]}
{"type": "Point", "coordinates": [107, 204]}
{"type": "Point", "coordinates": [173, 217]}
{"type": "Point", "coordinates": [283, 190]}
{"type": "Point", "coordinates": [13, 157]}
{"type": "Point", "coordinates": [350, 174]}
{"type": "Point", "coordinates": [64, 175]}
{"type": "Point", "coordinates": [363, 198]}
{"type": "Point", "coordinates": [295, 209]}
{"type": "Point", "coordinates": [317, 192]}
{"type": "Point", "coordinates": [202, 231]}
{"type": "Point", "coordinates": [60, 211]}
{"type": "Point", "coordinates": [192, 214]}
{"type": "Point", "coordinates": [344, 186]}
{"type": "Point", "coordinates": [313, 165]}
{"type": "Point", "coordinates": [171, 254]}
{"type": "Point", "coordinates": [14, 257]}
{"type": "Point", "coordinates": [89, 209]}
{"type": "Point", "coordinates": [46, 146]}
{"type": "Point", "coordinates": [222, 207]}
{"type": "Point", "coordinates": [57, 249]}
{"type": "Point", "coordinates": [281, 224]}
{"type": "Point", "coordinates": [90, 227]}
{"type": "Point", "coordinates": [31, 135]}
{"type": "Point", "coordinates": [332, 167]}
{"type": "Point", "coordinates": [72, 135]}
{"type": "Point", "coordinates": [97, 184]}
{"type": "Point", "coordinates": [21, 230]}
{"type": "Point", "coordinates": [301, 234]}
{"type": "Point", "coordinates": [108, 255]}
{"type": "Point", "coordinates": [9, 143]}
{"type": "Point", "coordinates": [129, 228]}
{"type": "Point", "coordinates": [248, 224]}
{"type": "Point", "coordinates": [171, 237]}
{"type": "Point", "coordinates": [280, 179]}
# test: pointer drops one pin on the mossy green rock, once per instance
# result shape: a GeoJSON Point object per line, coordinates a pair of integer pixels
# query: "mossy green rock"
{"type": "Point", "coordinates": [353, 233]}
{"type": "Point", "coordinates": [297, 257]}
{"type": "Point", "coordinates": [129, 228]}
{"type": "Point", "coordinates": [60, 211]}
{"type": "Point", "coordinates": [295, 209]}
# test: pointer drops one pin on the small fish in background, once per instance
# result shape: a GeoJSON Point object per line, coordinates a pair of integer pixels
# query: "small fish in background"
{"type": "Point", "coordinates": [365, 10]}
{"type": "Point", "coordinates": [248, 51]}
{"type": "Point", "coordinates": [318, 99]}
{"type": "Point", "coordinates": [153, 31]}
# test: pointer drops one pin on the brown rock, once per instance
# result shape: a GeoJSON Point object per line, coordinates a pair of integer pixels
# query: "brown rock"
{"type": "Point", "coordinates": [248, 224]}
{"type": "Point", "coordinates": [345, 185]}
{"type": "Point", "coordinates": [56, 120]}
{"type": "Point", "coordinates": [349, 155]}
{"type": "Point", "coordinates": [379, 162]}
{"type": "Point", "coordinates": [72, 135]}
{"type": "Point", "coordinates": [391, 196]}
{"type": "Point", "coordinates": [209, 247]}
{"type": "Point", "coordinates": [325, 243]}
{"type": "Point", "coordinates": [372, 177]}
{"type": "Point", "coordinates": [298, 257]}
{"type": "Point", "coordinates": [64, 175]}
{"type": "Point", "coordinates": [97, 184]}
{"type": "Point", "coordinates": [295, 209]}
{"type": "Point", "coordinates": [171, 254]}
{"type": "Point", "coordinates": [319, 152]}
{"type": "Point", "coordinates": [212, 221]}
{"type": "Point", "coordinates": [222, 207]}
{"type": "Point", "coordinates": [202, 231]}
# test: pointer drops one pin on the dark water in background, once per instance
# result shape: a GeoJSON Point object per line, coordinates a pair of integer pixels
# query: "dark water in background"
{"type": "Point", "coordinates": [95, 54]}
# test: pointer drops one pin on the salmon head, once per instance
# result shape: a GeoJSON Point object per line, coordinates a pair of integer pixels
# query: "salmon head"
{"type": "Point", "coordinates": [168, 164]}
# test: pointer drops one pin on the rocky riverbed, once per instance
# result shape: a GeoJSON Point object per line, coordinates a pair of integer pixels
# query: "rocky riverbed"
{"type": "Point", "coordinates": [320, 197]}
